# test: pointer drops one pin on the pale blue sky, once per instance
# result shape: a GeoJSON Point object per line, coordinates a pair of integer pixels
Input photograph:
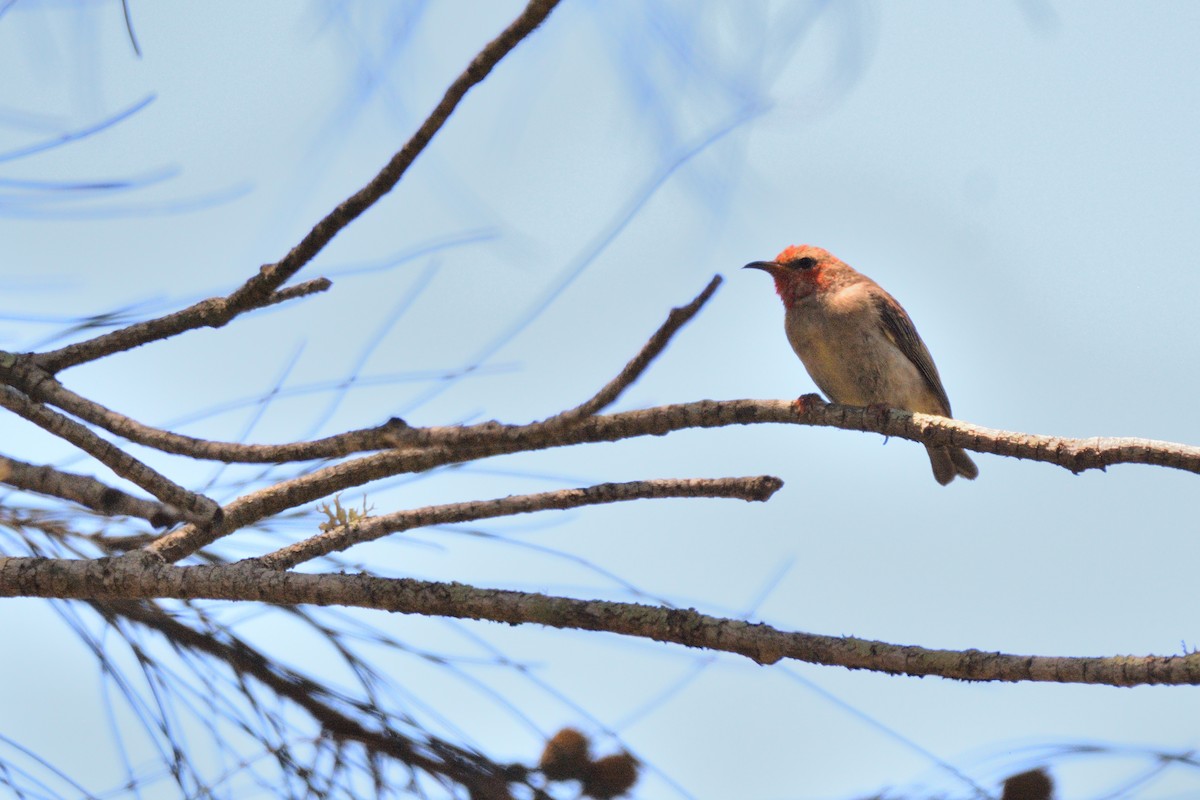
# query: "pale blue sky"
{"type": "Point", "coordinates": [1023, 176]}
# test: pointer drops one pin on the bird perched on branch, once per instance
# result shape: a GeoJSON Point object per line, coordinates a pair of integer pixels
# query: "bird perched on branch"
{"type": "Point", "coordinates": [859, 345]}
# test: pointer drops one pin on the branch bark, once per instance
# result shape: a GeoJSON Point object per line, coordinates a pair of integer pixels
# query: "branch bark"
{"type": "Point", "coordinates": [201, 510]}
{"type": "Point", "coordinates": [264, 288]}
{"type": "Point", "coordinates": [142, 577]}
{"type": "Point", "coordinates": [369, 529]}
{"type": "Point", "coordinates": [426, 448]}
{"type": "Point", "coordinates": [213, 312]}
{"type": "Point", "coordinates": [637, 365]}
{"type": "Point", "coordinates": [86, 491]}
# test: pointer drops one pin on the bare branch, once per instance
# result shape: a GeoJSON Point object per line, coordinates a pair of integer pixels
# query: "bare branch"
{"type": "Point", "coordinates": [211, 313]}
{"type": "Point", "coordinates": [264, 288]}
{"type": "Point", "coordinates": [758, 488]}
{"type": "Point", "coordinates": [314, 286]}
{"type": "Point", "coordinates": [199, 509]}
{"type": "Point", "coordinates": [608, 395]}
{"type": "Point", "coordinates": [272, 276]}
{"type": "Point", "coordinates": [22, 372]}
{"type": "Point", "coordinates": [87, 491]}
{"type": "Point", "coordinates": [142, 577]}
{"type": "Point", "coordinates": [426, 448]}
{"type": "Point", "coordinates": [423, 448]}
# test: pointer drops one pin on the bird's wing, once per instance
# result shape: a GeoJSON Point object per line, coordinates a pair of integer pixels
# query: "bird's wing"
{"type": "Point", "coordinates": [900, 329]}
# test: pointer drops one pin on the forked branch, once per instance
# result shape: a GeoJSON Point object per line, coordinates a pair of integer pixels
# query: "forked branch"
{"type": "Point", "coordinates": [427, 448]}
{"type": "Point", "coordinates": [201, 510]}
{"type": "Point", "coordinates": [264, 288]}
{"type": "Point", "coordinates": [637, 365]}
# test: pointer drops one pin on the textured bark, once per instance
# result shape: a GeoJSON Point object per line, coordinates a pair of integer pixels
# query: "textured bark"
{"type": "Point", "coordinates": [141, 576]}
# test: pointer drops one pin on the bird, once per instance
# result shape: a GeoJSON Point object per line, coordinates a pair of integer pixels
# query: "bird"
{"type": "Point", "coordinates": [859, 345]}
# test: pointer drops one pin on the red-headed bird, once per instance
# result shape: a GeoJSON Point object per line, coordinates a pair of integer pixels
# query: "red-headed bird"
{"type": "Point", "coordinates": [859, 345]}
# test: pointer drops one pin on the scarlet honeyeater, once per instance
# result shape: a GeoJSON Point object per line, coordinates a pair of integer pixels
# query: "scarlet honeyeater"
{"type": "Point", "coordinates": [859, 345]}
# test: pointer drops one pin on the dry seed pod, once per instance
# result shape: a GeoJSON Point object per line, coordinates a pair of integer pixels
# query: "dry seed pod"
{"type": "Point", "coordinates": [611, 776]}
{"type": "Point", "coordinates": [1032, 785]}
{"type": "Point", "coordinates": [566, 756]}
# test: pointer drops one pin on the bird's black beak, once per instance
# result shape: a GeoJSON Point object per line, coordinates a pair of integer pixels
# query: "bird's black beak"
{"type": "Point", "coordinates": [765, 266]}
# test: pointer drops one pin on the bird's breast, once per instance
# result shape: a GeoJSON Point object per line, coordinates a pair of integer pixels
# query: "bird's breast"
{"type": "Point", "coordinates": [849, 356]}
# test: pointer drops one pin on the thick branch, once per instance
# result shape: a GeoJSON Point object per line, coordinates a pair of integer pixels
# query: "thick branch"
{"type": "Point", "coordinates": [493, 438]}
{"type": "Point", "coordinates": [427, 448]}
{"type": "Point", "coordinates": [444, 445]}
{"type": "Point", "coordinates": [759, 488]}
{"type": "Point", "coordinates": [142, 577]}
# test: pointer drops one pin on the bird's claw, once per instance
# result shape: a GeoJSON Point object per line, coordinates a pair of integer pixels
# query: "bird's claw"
{"type": "Point", "coordinates": [806, 402]}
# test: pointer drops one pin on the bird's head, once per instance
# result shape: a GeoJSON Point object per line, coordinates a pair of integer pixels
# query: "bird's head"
{"type": "Point", "coordinates": [802, 270]}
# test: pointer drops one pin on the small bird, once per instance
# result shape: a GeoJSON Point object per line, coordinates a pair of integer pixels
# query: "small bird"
{"type": "Point", "coordinates": [859, 345]}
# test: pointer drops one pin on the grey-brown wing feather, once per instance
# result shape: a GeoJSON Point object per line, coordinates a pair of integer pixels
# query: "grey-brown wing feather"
{"type": "Point", "coordinates": [902, 331]}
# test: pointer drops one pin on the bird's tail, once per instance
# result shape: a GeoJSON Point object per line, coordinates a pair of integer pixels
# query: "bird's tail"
{"type": "Point", "coordinates": [950, 462]}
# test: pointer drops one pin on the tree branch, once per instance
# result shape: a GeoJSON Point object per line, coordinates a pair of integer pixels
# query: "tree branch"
{"type": "Point", "coordinates": [86, 491]}
{"type": "Point", "coordinates": [759, 488]}
{"type": "Point", "coordinates": [199, 509]}
{"type": "Point", "coordinates": [494, 438]}
{"type": "Point", "coordinates": [272, 276]}
{"type": "Point", "coordinates": [214, 312]}
{"type": "Point", "coordinates": [427, 448]}
{"type": "Point", "coordinates": [264, 287]}
{"type": "Point", "coordinates": [21, 371]}
{"type": "Point", "coordinates": [142, 577]}
{"type": "Point", "coordinates": [676, 319]}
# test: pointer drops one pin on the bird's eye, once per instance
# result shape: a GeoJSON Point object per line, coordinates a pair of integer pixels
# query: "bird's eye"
{"type": "Point", "coordinates": [803, 263]}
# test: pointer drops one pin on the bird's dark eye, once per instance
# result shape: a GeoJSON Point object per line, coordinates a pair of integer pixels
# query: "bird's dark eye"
{"type": "Point", "coordinates": [803, 263]}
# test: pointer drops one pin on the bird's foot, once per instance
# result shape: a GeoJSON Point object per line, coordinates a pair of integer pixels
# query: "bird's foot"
{"type": "Point", "coordinates": [806, 402]}
{"type": "Point", "coordinates": [881, 412]}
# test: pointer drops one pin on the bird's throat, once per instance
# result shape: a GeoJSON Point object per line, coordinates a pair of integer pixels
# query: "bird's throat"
{"type": "Point", "coordinates": [792, 291]}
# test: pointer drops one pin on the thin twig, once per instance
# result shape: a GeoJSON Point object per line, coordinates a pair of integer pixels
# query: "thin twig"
{"type": "Point", "coordinates": [436, 756]}
{"type": "Point", "coordinates": [273, 276]}
{"type": "Point", "coordinates": [211, 313]}
{"type": "Point", "coordinates": [87, 491]}
{"type": "Point", "coordinates": [757, 488]}
{"type": "Point", "coordinates": [258, 290]}
{"type": "Point", "coordinates": [637, 365]}
{"type": "Point", "coordinates": [137, 576]}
